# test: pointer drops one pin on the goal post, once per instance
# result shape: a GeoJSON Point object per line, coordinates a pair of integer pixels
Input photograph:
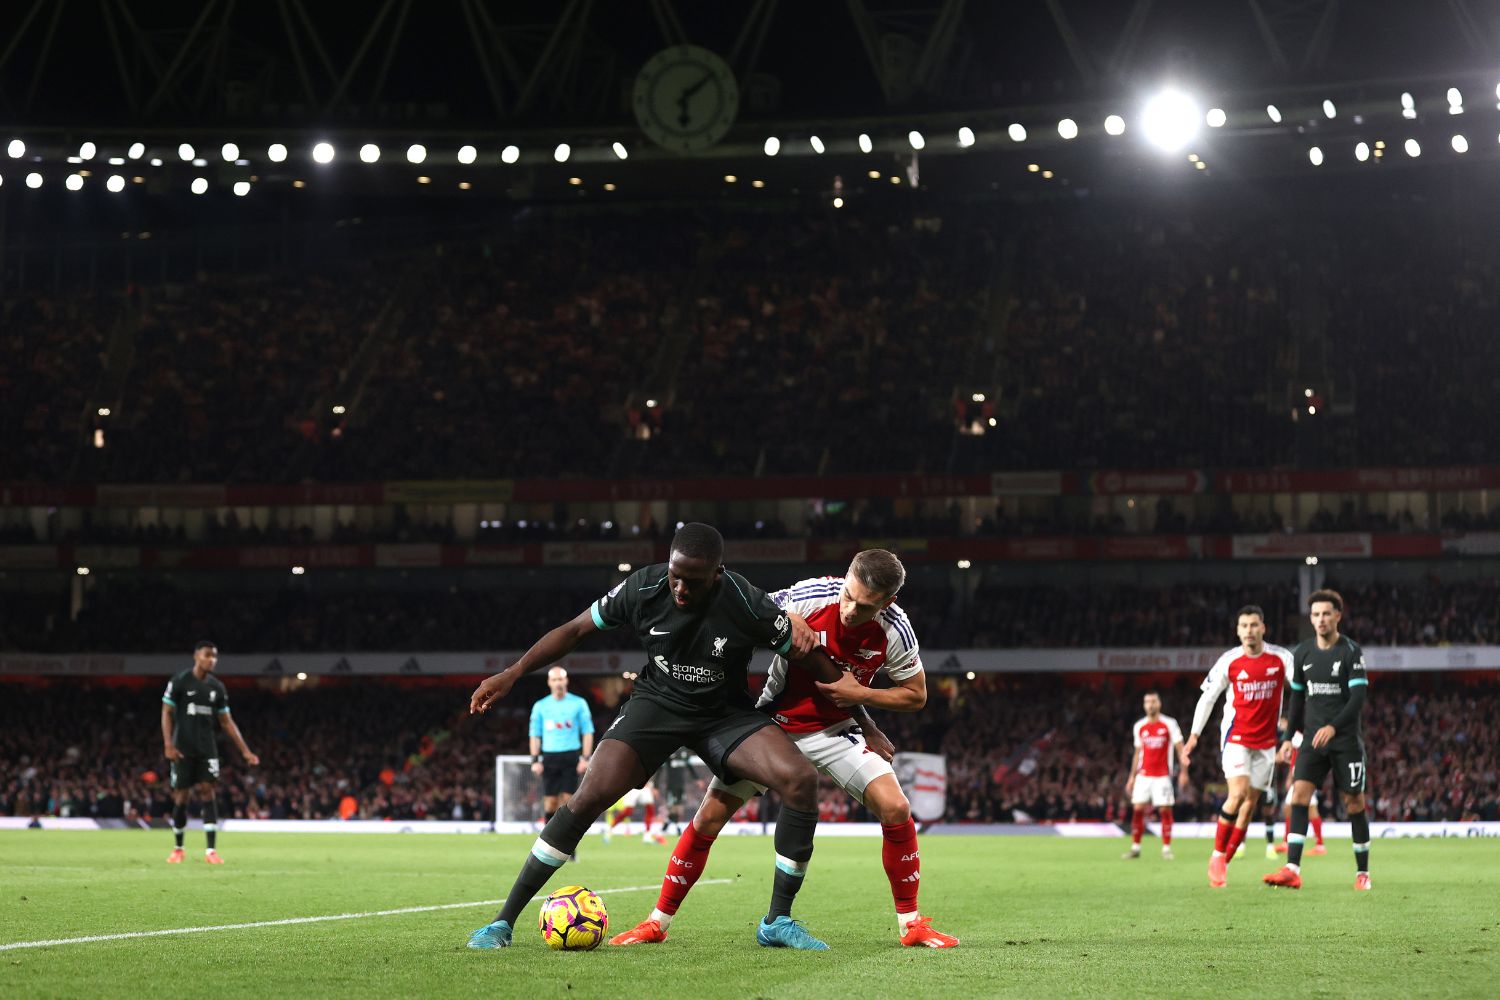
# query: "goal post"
{"type": "Point", "coordinates": [680, 785]}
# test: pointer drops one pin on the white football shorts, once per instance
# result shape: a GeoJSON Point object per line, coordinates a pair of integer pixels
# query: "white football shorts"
{"type": "Point", "coordinates": [1240, 761]}
{"type": "Point", "coordinates": [838, 751]}
{"type": "Point", "coordinates": [1155, 790]}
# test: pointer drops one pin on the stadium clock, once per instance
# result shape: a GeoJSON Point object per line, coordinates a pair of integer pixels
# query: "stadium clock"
{"type": "Point", "coordinates": [686, 98]}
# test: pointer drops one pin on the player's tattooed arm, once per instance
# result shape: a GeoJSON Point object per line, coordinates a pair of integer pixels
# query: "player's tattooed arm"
{"type": "Point", "coordinates": [875, 738]}
{"type": "Point", "coordinates": [819, 664]}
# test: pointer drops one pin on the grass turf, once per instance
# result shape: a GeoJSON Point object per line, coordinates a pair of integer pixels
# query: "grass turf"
{"type": "Point", "coordinates": [1038, 917]}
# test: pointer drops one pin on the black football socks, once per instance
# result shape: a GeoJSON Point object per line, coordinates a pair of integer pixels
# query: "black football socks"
{"type": "Point", "coordinates": [559, 839]}
{"type": "Point", "coordinates": [1359, 829]}
{"type": "Point", "coordinates": [794, 847]}
{"type": "Point", "coordinates": [1297, 835]}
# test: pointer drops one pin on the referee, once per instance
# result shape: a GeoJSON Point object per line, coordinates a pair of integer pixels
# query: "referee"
{"type": "Point", "coordinates": [562, 738]}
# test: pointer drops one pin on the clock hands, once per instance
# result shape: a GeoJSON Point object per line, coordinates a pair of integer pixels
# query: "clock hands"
{"type": "Point", "coordinates": [683, 118]}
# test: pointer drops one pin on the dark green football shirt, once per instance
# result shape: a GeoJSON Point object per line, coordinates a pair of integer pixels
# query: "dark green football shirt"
{"type": "Point", "coordinates": [196, 706]}
{"type": "Point", "coordinates": [1326, 676]}
{"type": "Point", "coordinates": [696, 660]}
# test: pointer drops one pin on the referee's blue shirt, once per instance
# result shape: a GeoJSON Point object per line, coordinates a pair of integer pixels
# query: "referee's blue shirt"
{"type": "Point", "coordinates": [561, 722]}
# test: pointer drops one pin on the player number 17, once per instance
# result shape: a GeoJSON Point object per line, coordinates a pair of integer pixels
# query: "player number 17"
{"type": "Point", "coordinates": [1357, 774]}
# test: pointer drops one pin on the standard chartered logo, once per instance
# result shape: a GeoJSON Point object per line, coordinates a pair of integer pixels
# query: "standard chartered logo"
{"type": "Point", "coordinates": [688, 672]}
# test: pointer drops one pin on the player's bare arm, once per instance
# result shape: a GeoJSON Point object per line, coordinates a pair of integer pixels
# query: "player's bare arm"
{"type": "Point", "coordinates": [908, 695]}
{"type": "Point", "coordinates": [171, 752]}
{"type": "Point", "coordinates": [1183, 760]}
{"type": "Point", "coordinates": [1135, 765]}
{"type": "Point", "coordinates": [547, 650]}
{"type": "Point", "coordinates": [804, 639]}
{"type": "Point", "coordinates": [588, 751]}
{"type": "Point", "coordinates": [227, 724]}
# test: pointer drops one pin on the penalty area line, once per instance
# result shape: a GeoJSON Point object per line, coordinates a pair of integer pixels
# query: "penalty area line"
{"type": "Point", "coordinates": [327, 918]}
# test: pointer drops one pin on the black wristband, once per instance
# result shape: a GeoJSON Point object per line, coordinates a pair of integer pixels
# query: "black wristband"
{"type": "Point", "coordinates": [536, 758]}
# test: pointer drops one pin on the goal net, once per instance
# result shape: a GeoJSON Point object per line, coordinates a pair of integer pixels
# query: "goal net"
{"type": "Point", "coordinates": [680, 785]}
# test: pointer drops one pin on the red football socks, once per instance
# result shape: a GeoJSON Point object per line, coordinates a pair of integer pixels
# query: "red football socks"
{"type": "Point", "coordinates": [902, 863]}
{"type": "Point", "coordinates": [683, 868]}
{"type": "Point", "coordinates": [1137, 825]}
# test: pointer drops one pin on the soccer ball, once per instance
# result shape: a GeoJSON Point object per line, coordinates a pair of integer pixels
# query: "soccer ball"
{"type": "Point", "coordinates": [573, 919]}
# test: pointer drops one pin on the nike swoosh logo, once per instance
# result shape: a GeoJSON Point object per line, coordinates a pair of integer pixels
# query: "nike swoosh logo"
{"type": "Point", "coordinates": [654, 632]}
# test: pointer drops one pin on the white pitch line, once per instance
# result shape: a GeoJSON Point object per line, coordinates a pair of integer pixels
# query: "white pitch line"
{"type": "Point", "coordinates": [312, 920]}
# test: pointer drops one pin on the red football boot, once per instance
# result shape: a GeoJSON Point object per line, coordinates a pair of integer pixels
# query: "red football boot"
{"type": "Point", "coordinates": [919, 934]}
{"type": "Point", "coordinates": [1284, 879]}
{"type": "Point", "coordinates": [648, 931]}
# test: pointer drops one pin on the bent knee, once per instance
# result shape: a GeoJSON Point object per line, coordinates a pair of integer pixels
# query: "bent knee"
{"type": "Point", "coordinates": [799, 786]}
{"type": "Point", "coordinates": [895, 813]}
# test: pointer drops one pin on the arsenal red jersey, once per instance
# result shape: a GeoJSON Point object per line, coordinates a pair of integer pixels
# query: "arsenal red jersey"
{"type": "Point", "coordinates": [1155, 741]}
{"type": "Point", "coordinates": [885, 643]}
{"type": "Point", "coordinates": [1255, 684]}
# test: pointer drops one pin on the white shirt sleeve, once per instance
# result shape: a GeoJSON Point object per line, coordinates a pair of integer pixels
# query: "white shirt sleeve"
{"type": "Point", "coordinates": [1213, 685]}
{"type": "Point", "coordinates": [1173, 729]}
{"type": "Point", "coordinates": [1135, 734]}
{"type": "Point", "coordinates": [903, 657]}
{"type": "Point", "coordinates": [808, 596]}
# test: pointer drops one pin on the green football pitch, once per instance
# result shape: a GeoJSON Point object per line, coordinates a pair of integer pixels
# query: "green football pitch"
{"type": "Point", "coordinates": [1039, 917]}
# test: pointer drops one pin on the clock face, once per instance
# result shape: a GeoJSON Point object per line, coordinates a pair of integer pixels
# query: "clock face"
{"type": "Point", "coordinates": [686, 98]}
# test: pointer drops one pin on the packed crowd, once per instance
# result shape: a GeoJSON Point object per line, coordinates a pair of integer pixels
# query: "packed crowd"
{"type": "Point", "coordinates": [696, 343]}
{"type": "Point", "coordinates": [1054, 749]}
{"type": "Point", "coordinates": [1063, 748]}
{"type": "Point", "coordinates": [124, 613]}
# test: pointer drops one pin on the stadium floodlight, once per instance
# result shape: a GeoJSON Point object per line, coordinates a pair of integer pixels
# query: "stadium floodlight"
{"type": "Point", "coordinates": [916, 140]}
{"type": "Point", "coordinates": [510, 154]}
{"type": "Point", "coordinates": [1114, 125]}
{"type": "Point", "coordinates": [816, 143]}
{"type": "Point", "coordinates": [562, 152]}
{"type": "Point", "coordinates": [1315, 156]}
{"type": "Point", "coordinates": [624, 154]}
{"type": "Point", "coordinates": [156, 161]}
{"type": "Point", "coordinates": [241, 188]}
{"type": "Point", "coordinates": [74, 182]}
{"type": "Point", "coordinates": [185, 151]}
{"type": "Point", "coordinates": [865, 145]}
{"type": "Point", "coordinates": [369, 153]}
{"type": "Point", "coordinates": [230, 152]}
{"type": "Point", "coordinates": [838, 203]}
{"type": "Point", "coordinates": [1362, 152]}
{"type": "Point", "coordinates": [199, 185]}
{"type": "Point", "coordinates": [1455, 101]}
{"type": "Point", "coordinates": [1409, 105]}
{"type": "Point", "coordinates": [117, 161]}
{"type": "Point", "coordinates": [965, 137]}
{"type": "Point", "coordinates": [323, 152]}
{"type": "Point", "coordinates": [33, 180]}
{"type": "Point", "coordinates": [16, 149]}
{"type": "Point", "coordinates": [1216, 118]}
{"type": "Point", "coordinates": [1329, 110]}
{"type": "Point", "coordinates": [1067, 128]}
{"type": "Point", "coordinates": [964, 564]}
{"type": "Point", "coordinates": [467, 155]}
{"type": "Point", "coordinates": [1413, 148]}
{"type": "Point", "coordinates": [772, 146]}
{"type": "Point", "coordinates": [416, 153]}
{"type": "Point", "coordinates": [276, 152]}
{"type": "Point", "coordinates": [1170, 120]}
{"type": "Point", "coordinates": [1017, 132]}
{"type": "Point", "coordinates": [87, 151]}
{"type": "Point", "coordinates": [1460, 144]}
{"type": "Point", "coordinates": [136, 151]}
{"type": "Point", "coordinates": [1273, 113]}
{"type": "Point", "coordinates": [115, 184]}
